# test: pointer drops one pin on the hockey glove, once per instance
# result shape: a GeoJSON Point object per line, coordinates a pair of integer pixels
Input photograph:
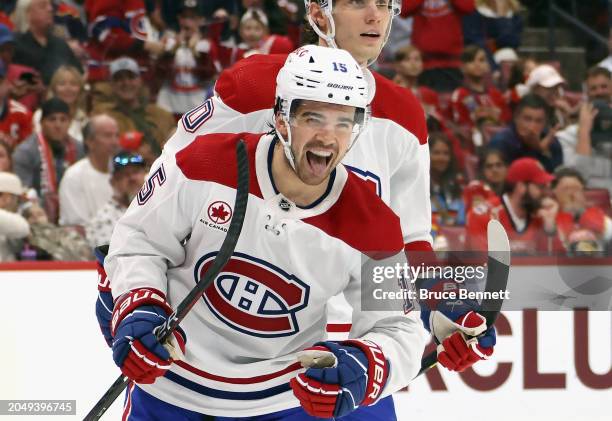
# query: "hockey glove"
{"type": "Point", "coordinates": [104, 303]}
{"type": "Point", "coordinates": [136, 349]}
{"type": "Point", "coordinates": [342, 376]}
{"type": "Point", "coordinates": [460, 332]}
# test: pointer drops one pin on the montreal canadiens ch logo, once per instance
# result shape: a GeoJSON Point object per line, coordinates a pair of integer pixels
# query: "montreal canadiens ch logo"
{"type": "Point", "coordinates": [253, 296]}
{"type": "Point", "coordinates": [219, 212]}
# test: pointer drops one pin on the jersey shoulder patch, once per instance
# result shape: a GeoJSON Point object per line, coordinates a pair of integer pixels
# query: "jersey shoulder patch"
{"type": "Point", "coordinates": [399, 104]}
{"type": "Point", "coordinates": [250, 84]}
{"type": "Point", "coordinates": [362, 220]}
{"type": "Point", "coordinates": [212, 157]}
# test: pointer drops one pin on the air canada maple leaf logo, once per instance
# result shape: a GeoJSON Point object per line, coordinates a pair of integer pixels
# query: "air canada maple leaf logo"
{"type": "Point", "coordinates": [219, 212]}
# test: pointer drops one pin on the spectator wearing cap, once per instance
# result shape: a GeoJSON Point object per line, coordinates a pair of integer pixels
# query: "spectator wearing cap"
{"type": "Point", "coordinates": [528, 135]}
{"type": "Point", "coordinates": [85, 186]}
{"type": "Point", "coordinates": [190, 63]}
{"type": "Point", "coordinates": [13, 227]}
{"type": "Point", "coordinates": [127, 179]}
{"type": "Point", "coordinates": [15, 118]}
{"type": "Point", "coordinates": [546, 82]}
{"type": "Point", "coordinates": [35, 45]}
{"type": "Point", "coordinates": [68, 84]}
{"type": "Point", "coordinates": [525, 211]}
{"type": "Point", "coordinates": [587, 145]}
{"type": "Point", "coordinates": [131, 109]}
{"type": "Point", "coordinates": [574, 214]}
{"type": "Point", "coordinates": [41, 160]}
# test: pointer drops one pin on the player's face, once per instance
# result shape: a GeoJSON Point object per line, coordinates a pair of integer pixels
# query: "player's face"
{"type": "Point", "coordinates": [55, 127]}
{"type": "Point", "coordinates": [360, 26]}
{"type": "Point", "coordinates": [68, 88]}
{"type": "Point", "coordinates": [477, 68]}
{"type": "Point", "coordinates": [320, 137]}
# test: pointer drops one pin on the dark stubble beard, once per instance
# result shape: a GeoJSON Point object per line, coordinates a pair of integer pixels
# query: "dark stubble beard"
{"type": "Point", "coordinates": [530, 204]}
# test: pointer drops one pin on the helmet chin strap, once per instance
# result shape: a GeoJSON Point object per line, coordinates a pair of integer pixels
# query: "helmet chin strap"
{"type": "Point", "coordinates": [287, 144]}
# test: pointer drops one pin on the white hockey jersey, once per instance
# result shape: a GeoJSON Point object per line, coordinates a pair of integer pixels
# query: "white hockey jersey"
{"type": "Point", "coordinates": [391, 154]}
{"type": "Point", "coordinates": [271, 299]}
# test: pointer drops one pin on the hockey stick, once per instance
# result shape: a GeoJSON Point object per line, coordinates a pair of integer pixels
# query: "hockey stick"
{"type": "Point", "coordinates": [164, 331]}
{"type": "Point", "coordinates": [498, 263]}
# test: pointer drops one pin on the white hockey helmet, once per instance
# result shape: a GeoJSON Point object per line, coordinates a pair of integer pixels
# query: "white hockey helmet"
{"type": "Point", "coordinates": [322, 74]}
{"type": "Point", "coordinates": [394, 7]}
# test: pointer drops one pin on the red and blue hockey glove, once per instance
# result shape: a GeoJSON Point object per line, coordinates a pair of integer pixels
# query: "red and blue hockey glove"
{"type": "Point", "coordinates": [136, 349]}
{"type": "Point", "coordinates": [104, 303]}
{"type": "Point", "coordinates": [460, 332]}
{"type": "Point", "coordinates": [342, 377]}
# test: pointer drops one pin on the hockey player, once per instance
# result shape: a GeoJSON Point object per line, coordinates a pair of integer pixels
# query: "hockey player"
{"type": "Point", "coordinates": [392, 154]}
{"type": "Point", "coordinates": [308, 225]}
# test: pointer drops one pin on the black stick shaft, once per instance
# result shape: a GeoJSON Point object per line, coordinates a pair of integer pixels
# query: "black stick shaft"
{"type": "Point", "coordinates": [224, 254]}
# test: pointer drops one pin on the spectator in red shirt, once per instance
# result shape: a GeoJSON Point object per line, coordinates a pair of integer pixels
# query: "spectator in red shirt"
{"type": "Point", "coordinates": [15, 118]}
{"type": "Point", "coordinates": [118, 28]}
{"type": "Point", "coordinates": [438, 33]}
{"type": "Point", "coordinates": [525, 211]}
{"type": "Point", "coordinates": [477, 102]}
{"type": "Point", "coordinates": [574, 215]}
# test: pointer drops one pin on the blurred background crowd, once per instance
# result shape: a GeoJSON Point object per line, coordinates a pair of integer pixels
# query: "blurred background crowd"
{"type": "Point", "coordinates": [90, 90]}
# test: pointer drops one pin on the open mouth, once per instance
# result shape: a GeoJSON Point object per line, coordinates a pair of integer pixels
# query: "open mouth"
{"type": "Point", "coordinates": [371, 34]}
{"type": "Point", "coordinates": [319, 161]}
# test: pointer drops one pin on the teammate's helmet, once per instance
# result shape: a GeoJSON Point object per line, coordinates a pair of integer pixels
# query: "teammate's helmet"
{"type": "Point", "coordinates": [394, 6]}
{"type": "Point", "coordinates": [321, 74]}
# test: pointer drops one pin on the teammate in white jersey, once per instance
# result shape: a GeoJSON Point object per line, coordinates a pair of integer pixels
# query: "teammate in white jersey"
{"type": "Point", "coordinates": [309, 226]}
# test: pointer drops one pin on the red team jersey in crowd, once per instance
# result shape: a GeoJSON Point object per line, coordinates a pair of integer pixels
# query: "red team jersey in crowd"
{"type": "Point", "coordinates": [527, 241]}
{"type": "Point", "coordinates": [464, 102]}
{"type": "Point", "coordinates": [391, 154]}
{"type": "Point", "coordinates": [15, 121]}
{"type": "Point", "coordinates": [272, 44]}
{"type": "Point", "coordinates": [271, 299]}
{"type": "Point", "coordinates": [116, 28]}
{"type": "Point", "coordinates": [437, 30]}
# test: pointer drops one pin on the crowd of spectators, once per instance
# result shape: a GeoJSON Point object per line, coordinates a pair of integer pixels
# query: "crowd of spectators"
{"type": "Point", "coordinates": [91, 90]}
